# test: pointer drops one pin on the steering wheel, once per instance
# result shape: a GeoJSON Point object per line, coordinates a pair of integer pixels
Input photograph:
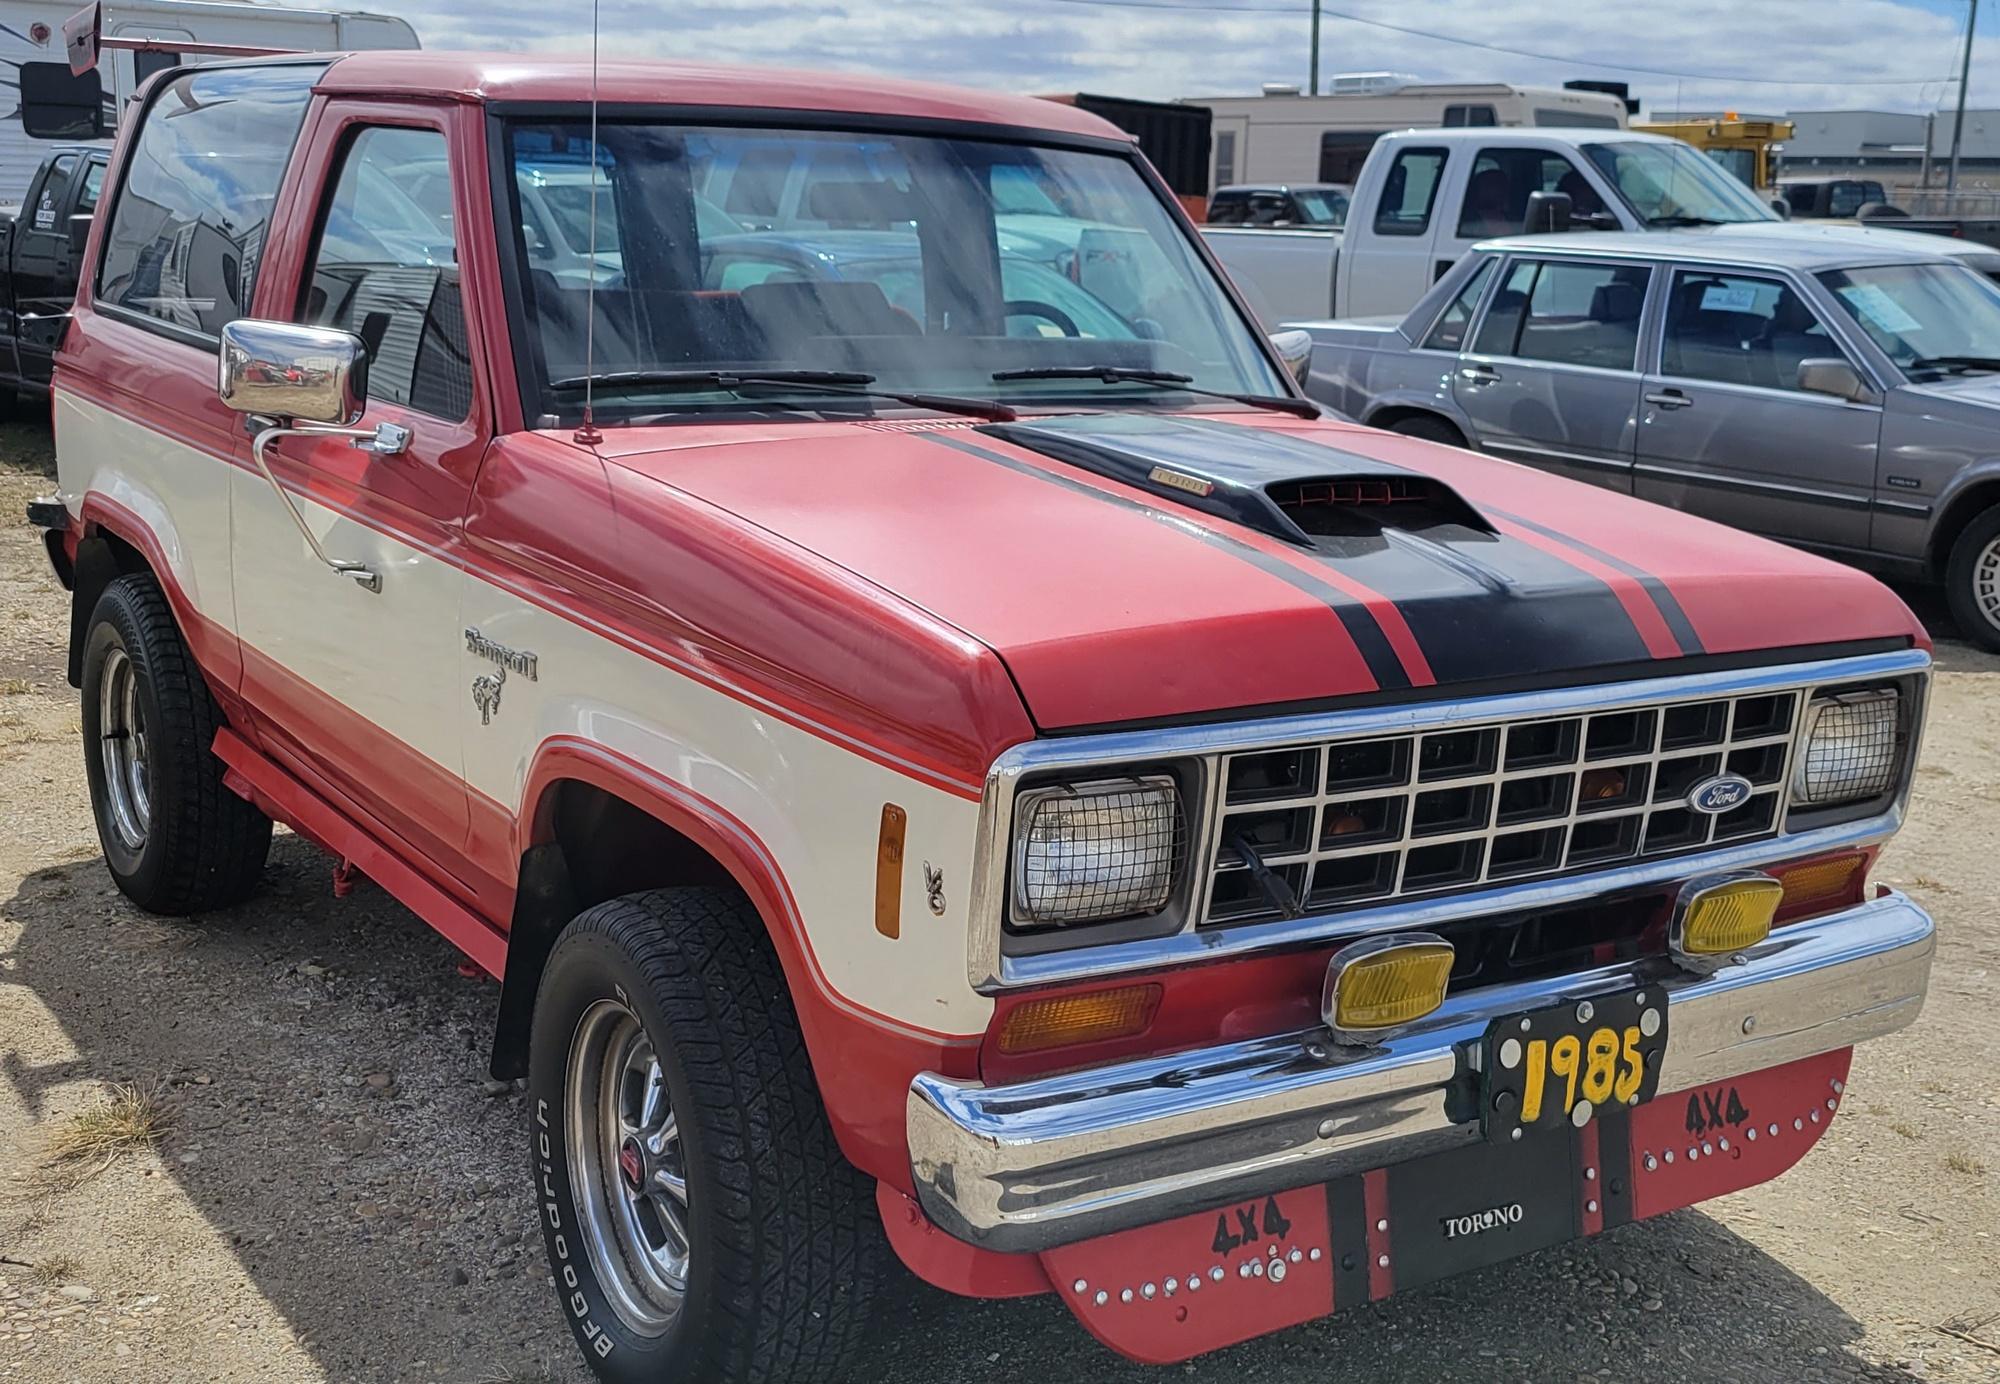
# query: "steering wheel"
{"type": "Point", "coordinates": [1048, 312]}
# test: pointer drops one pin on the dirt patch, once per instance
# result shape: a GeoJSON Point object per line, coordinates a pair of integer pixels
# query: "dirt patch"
{"type": "Point", "coordinates": [339, 1194]}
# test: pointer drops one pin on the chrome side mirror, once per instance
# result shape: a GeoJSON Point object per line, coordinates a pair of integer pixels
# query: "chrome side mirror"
{"type": "Point", "coordinates": [1831, 375]}
{"type": "Point", "coordinates": [1295, 349]}
{"type": "Point", "coordinates": [292, 372]}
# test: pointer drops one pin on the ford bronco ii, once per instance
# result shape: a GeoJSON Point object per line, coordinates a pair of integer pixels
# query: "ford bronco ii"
{"type": "Point", "coordinates": [820, 588]}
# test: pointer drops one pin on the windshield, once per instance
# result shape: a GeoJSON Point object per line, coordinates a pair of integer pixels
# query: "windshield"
{"type": "Point", "coordinates": [1931, 319]}
{"type": "Point", "coordinates": [1740, 164]}
{"type": "Point", "coordinates": [1673, 185]}
{"type": "Point", "coordinates": [929, 264]}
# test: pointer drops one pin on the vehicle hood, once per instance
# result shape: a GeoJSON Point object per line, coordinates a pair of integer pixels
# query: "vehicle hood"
{"type": "Point", "coordinates": [1133, 567]}
{"type": "Point", "coordinates": [1868, 237]}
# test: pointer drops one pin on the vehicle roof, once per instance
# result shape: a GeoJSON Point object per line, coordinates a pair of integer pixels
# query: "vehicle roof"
{"type": "Point", "coordinates": [1766, 249]}
{"type": "Point", "coordinates": [1500, 134]}
{"type": "Point", "coordinates": [1285, 187]}
{"type": "Point", "coordinates": [490, 77]}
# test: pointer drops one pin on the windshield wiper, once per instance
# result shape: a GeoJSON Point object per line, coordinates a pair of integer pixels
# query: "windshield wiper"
{"type": "Point", "coordinates": [1165, 379]}
{"type": "Point", "coordinates": [1681, 220]}
{"type": "Point", "coordinates": [852, 383]}
{"type": "Point", "coordinates": [1948, 363]}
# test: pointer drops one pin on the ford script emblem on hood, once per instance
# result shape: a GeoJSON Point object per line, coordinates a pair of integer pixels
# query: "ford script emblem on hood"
{"type": "Point", "coordinates": [1717, 795]}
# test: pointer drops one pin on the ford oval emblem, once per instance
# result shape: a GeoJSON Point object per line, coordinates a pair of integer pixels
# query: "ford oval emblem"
{"type": "Point", "coordinates": [1717, 795]}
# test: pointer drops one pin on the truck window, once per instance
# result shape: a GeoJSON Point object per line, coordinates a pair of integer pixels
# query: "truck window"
{"type": "Point", "coordinates": [1460, 117]}
{"type": "Point", "coordinates": [1448, 332]}
{"type": "Point", "coordinates": [386, 269]}
{"type": "Point", "coordinates": [188, 220]}
{"type": "Point", "coordinates": [59, 104]}
{"type": "Point", "coordinates": [1229, 209]}
{"type": "Point", "coordinates": [1342, 152]}
{"type": "Point", "coordinates": [1409, 191]}
{"type": "Point", "coordinates": [93, 187]}
{"type": "Point", "coordinates": [47, 213]}
{"type": "Point", "coordinates": [1496, 196]}
{"type": "Point", "coordinates": [1584, 314]}
{"type": "Point", "coordinates": [145, 64]}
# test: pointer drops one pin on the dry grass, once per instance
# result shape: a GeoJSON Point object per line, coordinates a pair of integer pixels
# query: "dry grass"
{"type": "Point", "coordinates": [1965, 1163]}
{"type": "Point", "coordinates": [518, 1374]}
{"type": "Point", "coordinates": [55, 1268]}
{"type": "Point", "coordinates": [125, 1120]}
{"type": "Point", "coordinates": [15, 687]}
{"type": "Point", "coordinates": [1905, 1131]}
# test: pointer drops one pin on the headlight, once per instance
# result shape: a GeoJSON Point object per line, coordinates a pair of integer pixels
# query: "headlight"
{"type": "Point", "coordinates": [1850, 750]}
{"type": "Point", "coordinates": [1091, 852]}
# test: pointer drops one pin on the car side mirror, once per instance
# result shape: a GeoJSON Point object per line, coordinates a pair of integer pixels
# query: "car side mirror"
{"type": "Point", "coordinates": [289, 371]}
{"type": "Point", "coordinates": [79, 231]}
{"type": "Point", "coordinates": [1547, 212]}
{"type": "Point", "coordinates": [1836, 377]}
{"type": "Point", "coordinates": [1782, 207]}
{"type": "Point", "coordinates": [1295, 349]}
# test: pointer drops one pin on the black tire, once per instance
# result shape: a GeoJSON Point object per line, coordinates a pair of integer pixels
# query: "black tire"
{"type": "Point", "coordinates": [785, 1246]}
{"type": "Point", "coordinates": [202, 847]}
{"type": "Point", "coordinates": [1975, 564]}
{"type": "Point", "coordinates": [1430, 428]}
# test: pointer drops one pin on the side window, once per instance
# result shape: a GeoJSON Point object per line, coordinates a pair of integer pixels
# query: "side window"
{"type": "Point", "coordinates": [58, 104]}
{"type": "Point", "coordinates": [93, 187]}
{"type": "Point", "coordinates": [1448, 332]}
{"type": "Point", "coordinates": [55, 187]}
{"type": "Point", "coordinates": [145, 64]}
{"type": "Point", "coordinates": [1585, 314]}
{"type": "Point", "coordinates": [188, 221]}
{"type": "Point", "coordinates": [387, 270]}
{"type": "Point", "coordinates": [1270, 208]}
{"type": "Point", "coordinates": [1496, 196]}
{"type": "Point", "coordinates": [1740, 329]}
{"type": "Point", "coordinates": [1409, 192]}
{"type": "Point", "coordinates": [1503, 315]}
{"type": "Point", "coordinates": [1229, 209]}
{"type": "Point", "coordinates": [1459, 117]}
{"type": "Point", "coordinates": [1225, 157]}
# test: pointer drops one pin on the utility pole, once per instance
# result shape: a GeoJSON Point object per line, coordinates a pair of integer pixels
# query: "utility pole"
{"type": "Point", "coordinates": [1315, 57]}
{"type": "Point", "coordinates": [1964, 80]}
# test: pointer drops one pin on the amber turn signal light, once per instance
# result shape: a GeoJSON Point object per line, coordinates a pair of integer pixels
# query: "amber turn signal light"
{"type": "Point", "coordinates": [1819, 885]}
{"type": "Point", "coordinates": [1063, 1021]}
{"type": "Point", "coordinates": [1382, 983]}
{"type": "Point", "coordinates": [1719, 916]}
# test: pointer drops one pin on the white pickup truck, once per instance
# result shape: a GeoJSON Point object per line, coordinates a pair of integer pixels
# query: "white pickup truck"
{"type": "Point", "coordinates": [1425, 197]}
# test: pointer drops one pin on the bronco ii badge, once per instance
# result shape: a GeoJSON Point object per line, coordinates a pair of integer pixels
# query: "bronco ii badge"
{"type": "Point", "coordinates": [486, 688]}
{"type": "Point", "coordinates": [1717, 795]}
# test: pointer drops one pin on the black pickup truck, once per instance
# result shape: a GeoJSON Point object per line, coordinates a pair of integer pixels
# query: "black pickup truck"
{"type": "Point", "coordinates": [41, 246]}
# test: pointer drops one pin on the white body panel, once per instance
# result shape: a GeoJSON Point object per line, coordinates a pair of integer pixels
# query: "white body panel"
{"type": "Point", "coordinates": [1283, 139]}
{"type": "Point", "coordinates": [201, 21]}
{"type": "Point", "coordinates": [1284, 274]}
{"type": "Point", "coordinates": [813, 805]}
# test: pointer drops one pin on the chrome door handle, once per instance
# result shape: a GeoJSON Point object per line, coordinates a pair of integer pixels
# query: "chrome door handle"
{"type": "Point", "coordinates": [1669, 398]}
{"type": "Point", "coordinates": [1478, 374]}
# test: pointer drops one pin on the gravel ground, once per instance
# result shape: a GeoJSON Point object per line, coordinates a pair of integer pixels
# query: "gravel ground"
{"type": "Point", "coordinates": [341, 1194]}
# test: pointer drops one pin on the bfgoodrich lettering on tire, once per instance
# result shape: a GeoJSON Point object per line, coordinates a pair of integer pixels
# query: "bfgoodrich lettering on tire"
{"type": "Point", "coordinates": [176, 839]}
{"type": "Point", "coordinates": [1972, 580]}
{"type": "Point", "coordinates": [700, 1223]}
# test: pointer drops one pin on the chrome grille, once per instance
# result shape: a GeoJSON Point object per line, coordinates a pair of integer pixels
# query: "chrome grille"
{"type": "Point", "coordinates": [1359, 821]}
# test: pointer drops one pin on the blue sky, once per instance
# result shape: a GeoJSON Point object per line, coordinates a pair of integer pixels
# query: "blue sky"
{"type": "Point", "coordinates": [1802, 55]}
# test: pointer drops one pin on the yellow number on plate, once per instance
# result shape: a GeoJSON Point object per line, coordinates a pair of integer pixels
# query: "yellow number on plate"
{"type": "Point", "coordinates": [1603, 1065]}
{"type": "Point", "coordinates": [1635, 1069]}
{"type": "Point", "coordinates": [1531, 1099]}
{"type": "Point", "coordinates": [1563, 1057]}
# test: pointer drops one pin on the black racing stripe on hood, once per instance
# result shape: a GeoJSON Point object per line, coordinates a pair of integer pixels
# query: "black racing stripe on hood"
{"type": "Point", "coordinates": [1480, 604]}
{"type": "Point", "coordinates": [1376, 651]}
{"type": "Point", "coordinates": [1488, 605]}
{"type": "Point", "coordinates": [1661, 594]}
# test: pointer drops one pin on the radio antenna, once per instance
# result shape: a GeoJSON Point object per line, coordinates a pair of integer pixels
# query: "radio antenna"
{"type": "Point", "coordinates": [588, 435]}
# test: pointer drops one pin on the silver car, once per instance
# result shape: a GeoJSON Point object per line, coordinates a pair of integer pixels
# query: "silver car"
{"type": "Point", "coordinates": [1827, 392]}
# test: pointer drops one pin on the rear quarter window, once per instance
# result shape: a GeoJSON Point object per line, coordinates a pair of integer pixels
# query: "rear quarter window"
{"type": "Point", "coordinates": [187, 224]}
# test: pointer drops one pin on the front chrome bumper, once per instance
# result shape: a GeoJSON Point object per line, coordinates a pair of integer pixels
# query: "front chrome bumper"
{"type": "Point", "coordinates": [1029, 1166]}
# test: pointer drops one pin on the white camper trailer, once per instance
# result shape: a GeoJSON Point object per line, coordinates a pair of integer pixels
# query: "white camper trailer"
{"type": "Point", "coordinates": [52, 106]}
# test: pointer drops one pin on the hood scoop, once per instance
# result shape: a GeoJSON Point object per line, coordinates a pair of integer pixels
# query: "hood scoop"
{"type": "Point", "coordinates": [1272, 482]}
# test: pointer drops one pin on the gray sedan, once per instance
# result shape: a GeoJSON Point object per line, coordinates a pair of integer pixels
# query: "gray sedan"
{"type": "Point", "coordinates": [1833, 394]}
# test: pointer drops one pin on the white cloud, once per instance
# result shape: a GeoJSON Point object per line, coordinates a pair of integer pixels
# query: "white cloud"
{"type": "Point", "coordinates": [1825, 51]}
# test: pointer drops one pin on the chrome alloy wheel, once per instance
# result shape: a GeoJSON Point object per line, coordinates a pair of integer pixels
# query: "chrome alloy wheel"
{"type": "Point", "coordinates": [1986, 583]}
{"type": "Point", "coordinates": [627, 1170]}
{"type": "Point", "coordinates": [121, 746]}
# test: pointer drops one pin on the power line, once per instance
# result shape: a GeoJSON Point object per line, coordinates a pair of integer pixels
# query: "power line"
{"type": "Point", "coordinates": [1569, 60]}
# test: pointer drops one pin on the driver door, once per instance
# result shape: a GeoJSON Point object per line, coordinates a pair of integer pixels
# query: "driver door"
{"type": "Point", "coordinates": [364, 691]}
